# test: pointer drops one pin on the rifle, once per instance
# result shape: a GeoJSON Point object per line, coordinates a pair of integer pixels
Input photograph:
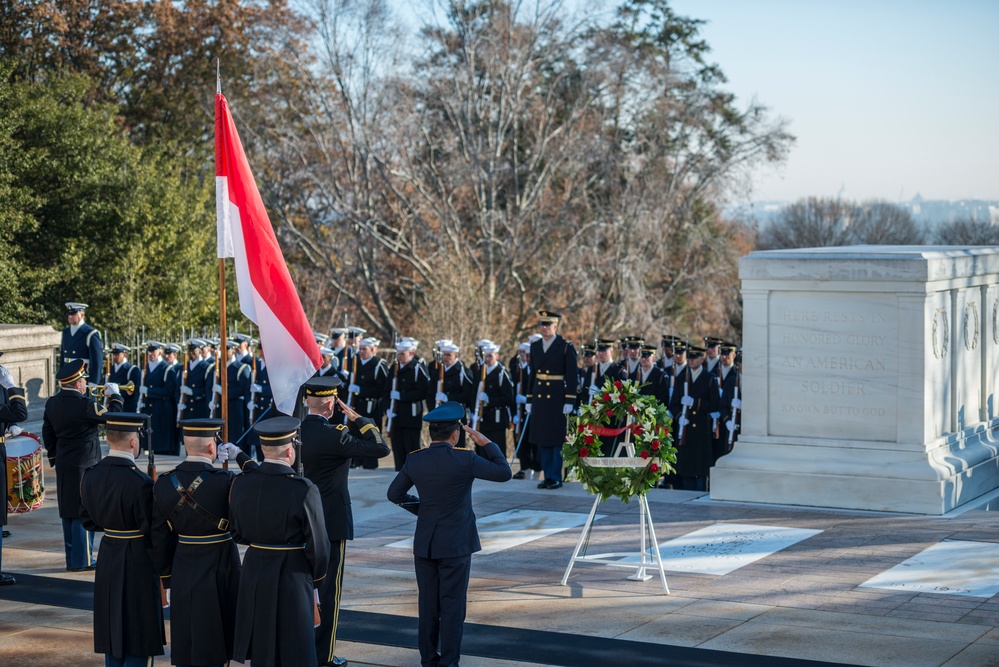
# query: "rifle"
{"type": "Point", "coordinates": [683, 414]}
{"type": "Point", "coordinates": [353, 373]}
{"type": "Point", "coordinates": [215, 381]}
{"type": "Point", "coordinates": [181, 405]}
{"type": "Point", "coordinates": [107, 357]}
{"type": "Point", "coordinates": [252, 407]}
{"type": "Point", "coordinates": [733, 424]}
{"type": "Point", "coordinates": [395, 387]}
{"type": "Point", "coordinates": [481, 360]}
{"type": "Point", "coordinates": [142, 399]}
{"type": "Point", "coordinates": [439, 360]}
{"type": "Point", "coordinates": [520, 385]}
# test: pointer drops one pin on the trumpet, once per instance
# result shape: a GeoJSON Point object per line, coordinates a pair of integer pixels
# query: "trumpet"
{"type": "Point", "coordinates": [98, 390]}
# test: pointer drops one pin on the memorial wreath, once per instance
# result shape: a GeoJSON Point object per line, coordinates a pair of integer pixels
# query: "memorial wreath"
{"type": "Point", "coordinates": [648, 420]}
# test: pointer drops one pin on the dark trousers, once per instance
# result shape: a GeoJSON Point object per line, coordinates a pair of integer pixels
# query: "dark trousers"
{"type": "Point", "coordinates": [529, 456]}
{"type": "Point", "coordinates": [497, 435]}
{"type": "Point", "coordinates": [329, 604]}
{"type": "Point", "coordinates": [79, 544]}
{"type": "Point", "coordinates": [443, 584]}
{"type": "Point", "coordinates": [128, 661]}
{"type": "Point", "coordinates": [551, 463]}
{"type": "Point", "coordinates": [405, 439]}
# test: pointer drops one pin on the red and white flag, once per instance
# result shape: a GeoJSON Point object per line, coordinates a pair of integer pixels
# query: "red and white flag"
{"type": "Point", "coordinates": [267, 296]}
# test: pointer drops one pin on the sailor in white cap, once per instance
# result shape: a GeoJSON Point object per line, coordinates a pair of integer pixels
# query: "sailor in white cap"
{"type": "Point", "coordinates": [409, 382]}
{"type": "Point", "coordinates": [369, 385]}
{"type": "Point", "coordinates": [449, 380]}
{"type": "Point", "coordinates": [494, 398]}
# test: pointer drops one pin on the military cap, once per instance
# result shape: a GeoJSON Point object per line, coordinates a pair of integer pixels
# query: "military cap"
{"type": "Point", "coordinates": [242, 338]}
{"type": "Point", "coordinates": [605, 343]}
{"type": "Point", "coordinates": [406, 344]}
{"type": "Point", "coordinates": [648, 351]}
{"type": "Point", "coordinates": [712, 341]}
{"type": "Point", "coordinates": [75, 307]}
{"type": "Point", "coordinates": [328, 351]}
{"type": "Point", "coordinates": [694, 352]}
{"type": "Point", "coordinates": [524, 347]}
{"type": "Point", "coordinates": [490, 348]}
{"type": "Point", "coordinates": [589, 349]}
{"type": "Point", "coordinates": [193, 343]}
{"type": "Point", "coordinates": [336, 332]}
{"type": "Point", "coordinates": [153, 345]}
{"type": "Point", "coordinates": [72, 371]}
{"type": "Point", "coordinates": [370, 341]}
{"type": "Point", "coordinates": [668, 340]}
{"type": "Point", "coordinates": [446, 413]}
{"type": "Point", "coordinates": [322, 386]}
{"type": "Point", "coordinates": [277, 431]}
{"type": "Point", "coordinates": [201, 428]}
{"type": "Point", "coordinates": [483, 342]}
{"type": "Point", "coordinates": [172, 347]}
{"type": "Point", "coordinates": [320, 338]}
{"type": "Point", "coordinates": [728, 348]}
{"type": "Point", "coordinates": [634, 342]}
{"type": "Point", "coordinates": [355, 332]}
{"type": "Point", "coordinates": [548, 317]}
{"type": "Point", "coordinates": [118, 348]}
{"type": "Point", "coordinates": [232, 344]}
{"type": "Point", "coordinates": [211, 342]}
{"type": "Point", "coordinates": [533, 337]}
{"type": "Point", "coordinates": [447, 345]}
{"type": "Point", "coordinates": [679, 347]}
{"type": "Point", "coordinates": [126, 422]}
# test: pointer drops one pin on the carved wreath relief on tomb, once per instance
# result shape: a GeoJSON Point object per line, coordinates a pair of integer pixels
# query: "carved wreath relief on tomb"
{"type": "Point", "coordinates": [971, 326]}
{"type": "Point", "coordinates": [941, 334]}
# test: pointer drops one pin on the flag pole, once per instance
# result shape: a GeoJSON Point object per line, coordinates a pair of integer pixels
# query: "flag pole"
{"type": "Point", "coordinates": [224, 368]}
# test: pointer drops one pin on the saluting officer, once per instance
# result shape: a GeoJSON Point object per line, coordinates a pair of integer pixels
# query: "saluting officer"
{"type": "Point", "coordinates": [69, 431]}
{"type": "Point", "coordinates": [280, 515]}
{"type": "Point", "coordinates": [13, 409]}
{"type": "Point", "coordinates": [552, 395]}
{"type": "Point", "coordinates": [82, 341]}
{"type": "Point", "coordinates": [327, 450]}
{"type": "Point", "coordinates": [117, 499]}
{"type": "Point", "coordinates": [193, 550]}
{"type": "Point", "coordinates": [123, 372]}
{"type": "Point", "coordinates": [446, 536]}
{"type": "Point", "coordinates": [405, 402]}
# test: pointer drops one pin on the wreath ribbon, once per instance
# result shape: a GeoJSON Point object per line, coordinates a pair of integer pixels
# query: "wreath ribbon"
{"type": "Point", "coordinates": [605, 430]}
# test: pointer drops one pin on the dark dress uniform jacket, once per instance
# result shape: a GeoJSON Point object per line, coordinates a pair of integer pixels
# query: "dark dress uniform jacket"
{"type": "Point", "coordinates": [656, 384]}
{"type": "Point", "coordinates": [694, 449]}
{"type": "Point", "coordinates": [443, 476]}
{"type": "Point", "coordinates": [123, 375]}
{"type": "Point", "coordinates": [85, 344]}
{"type": "Point", "coordinates": [553, 384]}
{"type": "Point", "coordinates": [203, 576]}
{"type": "Point", "coordinates": [282, 514]}
{"type": "Point", "coordinates": [326, 453]}
{"type": "Point", "coordinates": [200, 379]}
{"type": "Point", "coordinates": [128, 618]}
{"type": "Point", "coordinates": [159, 403]}
{"type": "Point", "coordinates": [457, 385]}
{"type": "Point", "coordinates": [69, 431]}
{"type": "Point", "coordinates": [494, 416]}
{"type": "Point", "coordinates": [372, 378]}
{"type": "Point", "coordinates": [238, 390]}
{"type": "Point", "coordinates": [13, 409]}
{"type": "Point", "coordinates": [413, 384]}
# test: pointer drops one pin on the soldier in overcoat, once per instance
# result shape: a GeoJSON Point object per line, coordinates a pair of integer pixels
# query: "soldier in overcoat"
{"type": "Point", "coordinates": [552, 395]}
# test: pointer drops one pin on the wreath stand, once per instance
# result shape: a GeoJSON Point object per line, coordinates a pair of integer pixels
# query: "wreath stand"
{"type": "Point", "coordinates": [651, 561]}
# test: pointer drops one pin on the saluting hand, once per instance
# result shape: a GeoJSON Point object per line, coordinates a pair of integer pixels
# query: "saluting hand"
{"type": "Point", "coordinates": [476, 437]}
{"type": "Point", "coordinates": [347, 410]}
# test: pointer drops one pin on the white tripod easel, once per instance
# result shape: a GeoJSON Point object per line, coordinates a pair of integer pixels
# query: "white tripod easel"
{"type": "Point", "coordinates": [613, 559]}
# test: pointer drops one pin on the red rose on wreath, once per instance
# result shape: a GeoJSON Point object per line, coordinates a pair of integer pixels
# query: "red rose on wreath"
{"type": "Point", "coordinates": [617, 385]}
{"type": "Point", "coordinates": [655, 445]}
{"type": "Point", "coordinates": [606, 397]}
{"type": "Point", "coordinates": [638, 430]}
{"type": "Point", "coordinates": [633, 409]}
{"type": "Point", "coordinates": [584, 452]}
{"type": "Point", "coordinates": [588, 439]}
{"type": "Point", "coordinates": [645, 455]}
{"type": "Point", "coordinates": [654, 468]}
{"type": "Point", "coordinates": [579, 428]}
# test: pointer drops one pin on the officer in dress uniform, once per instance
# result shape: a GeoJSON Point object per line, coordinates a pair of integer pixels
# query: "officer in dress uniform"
{"type": "Point", "coordinates": [158, 400]}
{"type": "Point", "coordinates": [82, 341]}
{"type": "Point", "coordinates": [193, 551]}
{"type": "Point", "coordinates": [404, 404]}
{"type": "Point", "coordinates": [588, 353]}
{"type": "Point", "coordinates": [337, 343]}
{"type": "Point", "coordinates": [446, 536]}
{"type": "Point", "coordinates": [193, 388]}
{"type": "Point", "coordinates": [123, 372]}
{"type": "Point", "coordinates": [495, 401]}
{"type": "Point", "coordinates": [117, 499]}
{"type": "Point", "coordinates": [280, 515]}
{"type": "Point", "coordinates": [13, 410]}
{"type": "Point", "coordinates": [370, 384]}
{"type": "Point", "coordinates": [520, 372]}
{"type": "Point", "coordinates": [551, 396]}
{"type": "Point", "coordinates": [244, 351]}
{"type": "Point", "coordinates": [697, 391]}
{"type": "Point", "coordinates": [327, 449]}
{"type": "Point", "coordinates": [711, 353]}
{"type": "Point", "coordinates": [730, 381]}
{"type": "Point", "coordinates": [650, 377]}
{"type": "Point", "coordinates": [632, 353]}
{"type": "Point", "coordinates": [238, 391]}
{"type": "Point", "coordinates": [457, 386]}
{"type": "Point", "coordinates": [69, 432]}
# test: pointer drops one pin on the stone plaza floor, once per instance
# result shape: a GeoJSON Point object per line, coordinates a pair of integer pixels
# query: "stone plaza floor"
{"type": "Point", "coordinates": [749, 585]}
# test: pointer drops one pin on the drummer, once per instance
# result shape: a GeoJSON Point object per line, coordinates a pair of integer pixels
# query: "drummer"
{"type": "Point", "coordinates": [13, 409]}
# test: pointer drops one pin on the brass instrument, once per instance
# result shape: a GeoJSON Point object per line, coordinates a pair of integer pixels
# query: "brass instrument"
{"type": "Point", "coordinates": [98, 390]}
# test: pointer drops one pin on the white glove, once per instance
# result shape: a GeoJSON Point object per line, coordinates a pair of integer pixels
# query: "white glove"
{"type": "Point", "coordinates": [441, 397]}
{"type": "Point", "coordinates": [394, 395]}
{"type": "Point", "coordinates": [187, 391]}
{"type": "Point", "coordinates": [568, 408]}
{"type": "Point", "coordinates": [144, 390]}
{"type": "Point", "coordinates": [14, 430]}
{"type": "Point", "coordinates": [111, 388]}
{"type": "Point", "coordinates": [736, 403]}
{"type": "Point", "coordinates": [256, 388]}
{"type": "Point", "coordinates": [389, 414]}
{"type": "Point", "coordinates": [688, 401]}
{"type": "Point", "coordinates": [684, 421]}
{"type": "Point", "coordinates": [354, 389]}
{"type": "Point", "coordinates": [527, 408]}
{"type": "Point", "coordinates": [6, 379]}
{"type": "Point", "coordinates": [211, 407]}
{"type": "Point", "coordinates": [521, 399]}
{"type": "Point", "coordinates": [217, 388]}
{"type": "Point", "coordinates": [594, 390]}
{"type": "Point", "coordinates": [230, 450]}
{"type": "Point", "coordinates": [730, 425]}
{"type": "Point", "coordinates": [167, 598]}
{"type": "Point", "coordinates": [715, 415]}
{"type": "Point", "coordinates": [516, 419]}
{"type": "Point", "coordinates": [484, 398]}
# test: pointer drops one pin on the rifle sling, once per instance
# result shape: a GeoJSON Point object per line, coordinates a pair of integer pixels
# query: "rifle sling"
{"type": "Point", "coordinates": [187, 498]}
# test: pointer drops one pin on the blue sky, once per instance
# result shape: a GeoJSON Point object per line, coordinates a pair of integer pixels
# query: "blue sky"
{"type": "Point", "coordinates": [887, 98]}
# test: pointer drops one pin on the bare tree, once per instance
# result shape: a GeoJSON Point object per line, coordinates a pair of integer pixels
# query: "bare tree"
{"type": "Point", "coordinates": [968, 232]}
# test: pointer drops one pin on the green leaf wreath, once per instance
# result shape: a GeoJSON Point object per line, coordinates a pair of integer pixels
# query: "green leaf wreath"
{"type": "Point", "coordinates": [616, 401]}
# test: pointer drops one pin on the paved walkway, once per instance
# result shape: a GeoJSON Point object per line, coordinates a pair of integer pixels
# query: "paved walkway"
{"type": "Point", "coordinates": [804, 602]}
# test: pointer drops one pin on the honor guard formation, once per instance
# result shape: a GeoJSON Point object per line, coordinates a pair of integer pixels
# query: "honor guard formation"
{"type": "Point", "coordinates": [171, 540]}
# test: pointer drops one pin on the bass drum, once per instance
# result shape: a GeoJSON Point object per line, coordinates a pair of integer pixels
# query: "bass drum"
{"type": "Point", "coordinates": [25, 484]}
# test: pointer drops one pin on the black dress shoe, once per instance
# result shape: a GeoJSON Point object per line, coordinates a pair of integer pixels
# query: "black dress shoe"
{"type": "Point", "coordinates": [82, 569]}
{"type": "Point", "coordinates": [555, 485]}
{"type": "Point", "coordinates": [7, 580]}
{"type": "Point", "coordinates": [337, 662]}
{"type": "Point", "coordinates": [544, 485]}
{"type": "Point", "coordinates": [519, 475]}
{"type": "Point", "coordinates": [6, 533]}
